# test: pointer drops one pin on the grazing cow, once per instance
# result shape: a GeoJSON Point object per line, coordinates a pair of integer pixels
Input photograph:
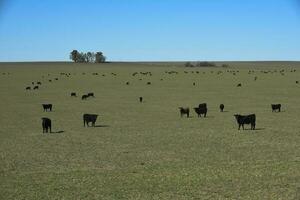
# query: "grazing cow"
{"type": "Point", "coordinates": [87, 118]}
{"type": "Point", "coordinates": [73, 94]}
{"type": "Point", "coordinates": [201, 111]}
{"type": "Point", "coordinates": [245, 119]}
{"type": "Point", "coordinates": [39, 83]}
{"type": "Point", "coordinates": [148, 83]}
{"type": "Point", "coordinates": [222, 107]}
{"type": "Point", "coordinates": [91, 94]}
{"type": "Point", "coordinates": [56, 79]}
{"type": "Point", "coordinates": [276, 107]}
{"type": "Point", "coordinates": [36, 87]}
{"type": "Point", "coordinates": [46, 124]}
{"type": "Point", "coordinates": [127, 83]}
{"type": "Point", "coordinates": [194, 83]}
{"type": "Point", "coordinates": [47, 107]}
{"type": "Point", "coordinates": [50, 80]}
{"type": "Point", "coordinates": [32, 83]}
{"type": "Point", "coordinates": [184, 111]}
{"type": "Point", "coordinates": [28, 88]}
{"type": "Point", "coordinates": [141, 99]}
{"type": "Point", "coordinates": [239, 85]}
{"type": "Point", "coordinates": [297, 82]}
{"type": "Point", "coordinates": [84, 97]}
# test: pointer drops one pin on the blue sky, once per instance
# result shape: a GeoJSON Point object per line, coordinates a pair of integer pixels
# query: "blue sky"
{"type": "Point", "coordinates": [150, 30]}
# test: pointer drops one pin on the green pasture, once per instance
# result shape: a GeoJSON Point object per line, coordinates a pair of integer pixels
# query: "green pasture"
{"type": "Point", "coordinates": [146, 150]}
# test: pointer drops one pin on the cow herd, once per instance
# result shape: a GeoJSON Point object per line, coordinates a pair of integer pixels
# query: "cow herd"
{"type": "Point", "coordinates": [201, 110]}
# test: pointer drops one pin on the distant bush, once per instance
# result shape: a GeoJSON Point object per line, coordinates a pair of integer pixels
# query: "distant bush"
{"type": "Point", "coordinates": [225, 65]}
{"type": "Point", "coordinates": [205, 64]}
{"type": "Point", "coordinates": [188, 64]}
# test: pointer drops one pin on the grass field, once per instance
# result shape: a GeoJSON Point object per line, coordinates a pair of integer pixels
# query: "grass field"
{"type": "Point", "coordinates": [145, 150]}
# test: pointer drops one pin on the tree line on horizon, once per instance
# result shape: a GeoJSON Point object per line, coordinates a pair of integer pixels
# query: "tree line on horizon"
{"type": "Point", "coordinates": [88, 57]}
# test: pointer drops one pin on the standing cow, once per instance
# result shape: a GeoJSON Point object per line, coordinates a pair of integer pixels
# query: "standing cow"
{"type": "Point", "coordinates": [141, 99]}
{"type": "Point", "coordinates": [87, 118]}
{"type": "Point", "coordinates": [276, 107]}
{"type": "Point", "coordinates": [246, 119]}
{"type": "Point", "coordinates": [222, 107]}
{"type": "Point", "coordinates": [47, 107]}
{"type": "Point", "coordinates": [184, 111]}
{"type": "Point", "coordinates": [46, 124]}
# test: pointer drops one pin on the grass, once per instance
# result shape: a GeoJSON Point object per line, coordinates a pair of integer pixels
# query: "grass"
{"type": "Point", "coordinates": [145, 150]}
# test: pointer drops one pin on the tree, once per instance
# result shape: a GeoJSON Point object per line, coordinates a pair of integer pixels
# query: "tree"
{"type": "Point", "coordinates": [99, 57]}
{"type": "Point", "coordinates": [74, 55]}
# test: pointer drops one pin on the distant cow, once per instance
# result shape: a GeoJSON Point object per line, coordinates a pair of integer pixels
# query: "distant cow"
{"type": "Point", "coordinates": [84, 97]}
{"type": "Point", "coordinates": [276, 107]}
{"type": "Point", "coordinates": [73, 94]}
{"type": "Point", "coordinates": [36, 87]}
{"type": "Point", "coordinates": [239, 85]}
{"type": "Point", "coordinates": [28, 88]}
{"type": "Point", "coordinates": [91, 94]}
{"type": "Point", "coordinates": [39, 83]}
{"type": "Point", "coordinates": [46, 124]}
{"type": "Point", "coordinates": [297, 82]}
{"type": "Point", "coordinates": [222, 107]}
{"type": "Point", "coordinates": [50, 80]}
{"type": "Point", "coordinates": [127, 83]}
{"type": "Point", "coordinates": [184, 111]}
{"type": "Point", "coordinates": [194, 83]}
{"type": "Point", "coordinates": [87, 118]}
{"type": "Point", "coordinates": [47, 107]}
{"type": "Point", "coordinates": [246, 119]}
{"type": "Point", "coordinates": [148, 83]}
{"type": "Point", "coordinates": [141, 99]}
{"type": "Point", "coordinates": [201, 110]}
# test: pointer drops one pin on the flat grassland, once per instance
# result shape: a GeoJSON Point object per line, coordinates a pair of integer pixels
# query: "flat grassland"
{"type": "Point", "coordinates": [146, 150]}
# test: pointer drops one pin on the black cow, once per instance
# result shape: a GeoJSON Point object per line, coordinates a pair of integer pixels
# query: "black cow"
{"type": "Point", "coordinates": [184, 111]}
{"type": "Point", "coordinates": [28, 88]}
{"type": "Point", "coordinates": [245, 119]}
{"type": "Point", "coordinates": [194, 83]}
{"type": "Point", "coordinates": [84, 97]}
{"type": "Point", "coordinates": [239, 85]}
{"type": "Point", "coordinates": [36, 87]}
{"type": "Point", "coordinates": [141, 99]}
{"type": "Point", "coordinates": [91, 94]}
{"type": "Point", "coordinates": [47, 107]}
{"type": "Point", "coordinates": [148, 83]}
{"type": "Point", "coordinates": [297, 82]}
{"type": "Point", "coordinates": [46, 124]}
{"type": "Point", "coordinates": [202, 109]}
{"type": "Point", "coordinates": [39, 83]}
{"type": "Point", "coordinates": [89, 118]}
{"type": "Point", "coordinates": [127, 83]}
{"type": "Point", "coordinates": [73, 94]}
{"type": "Point", "coordinates": [222, 107]}
{"type": "Point", "coordinates": [276, 107]}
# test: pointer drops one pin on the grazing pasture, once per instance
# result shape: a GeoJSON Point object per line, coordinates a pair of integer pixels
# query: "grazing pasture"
{"type": "Point", "coordinates": [146, 150]}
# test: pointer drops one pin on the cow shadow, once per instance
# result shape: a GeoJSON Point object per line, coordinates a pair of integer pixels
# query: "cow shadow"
{"type": "Point", "coordinates": [256, 129]}
{"type": "Point", "coordinates": [101, 126]}
{"type": "Point", "coordinates": [56, 132]}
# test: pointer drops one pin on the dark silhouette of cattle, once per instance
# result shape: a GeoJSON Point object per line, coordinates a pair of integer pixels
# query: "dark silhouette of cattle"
{"type": "Point", "coordinates": [91, 94]}
{"type": "Point", "coordinates": [246, 119]}
{"type": "Point", "coordinates": [39, 83]}
{"type": "Point", "coordinates": [50, 80]}
{"type": "Point", "coordinates": [239, 85]}
{"type": "Point", "coordinates": [84, 97]}
{"type": "Point", "coordinates": [194, 83]}
{"type": "Point", "coordinates": [201, 110]}
{"type": "Point", "coordinates": [221, 107]}
{"type": "Point", "coordinates": [184, 111]}
{"type": "Point", "coordinates": [141, 99]}
{"type": "Point", "coordinates": [148, 83]}
{"type": "Point", "coordinates": [127, 83]}
{"type": "Point", "coordinates": [46, 124]}
{"type": "Point", "coordinates": [73, 94]}
{"type": "Point", "coordinates": [28, 88]}
{"type": "Point", "coordinates": [36, 87]}
{"type": "Point", "coordinates": [32, 83]}
{"type": "Point", "coordinates": [297, 82]}
{"type": "Point", "coordinates": [276, 107]}
{"type": "Point", "coordinates": [47, 107]}
{"type": "Point", "coordinates": [87, 118]}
